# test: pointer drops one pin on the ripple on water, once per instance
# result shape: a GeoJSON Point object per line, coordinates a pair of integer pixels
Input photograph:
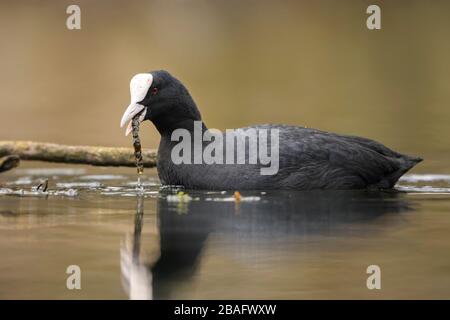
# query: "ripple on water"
{"type": "Point", "coordinates": [103, 177]}
{"type": "Point", "coordinates": [21, 181]}
{"type": "Point", "coordinates": [425, 177]}
{"type": "Point", "coordinates": [126, 186]}
{"type": "Point", "coordinates": [130, 193]}
{"type": "Point", "coordinates": [148, 183]}
{"type": "Point", "coordinates": [423, 189]}
{"type": "Point", "coordinates": [26, 193]}
{"type": "Point", "coordinates": [425, 183]}
{"type": "Point", "coordinates": [81, 185]}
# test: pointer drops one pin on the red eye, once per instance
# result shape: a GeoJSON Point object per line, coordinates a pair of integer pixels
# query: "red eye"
{"type": "Point", "coordinates": [154, 91]}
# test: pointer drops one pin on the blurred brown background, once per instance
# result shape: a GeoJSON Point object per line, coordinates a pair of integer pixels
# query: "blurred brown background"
{"type": "Point", "coordinates": [311, 63]}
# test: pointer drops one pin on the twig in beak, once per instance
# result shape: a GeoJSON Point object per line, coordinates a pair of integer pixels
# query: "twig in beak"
{"type": "Point", "coordinates": [137, 144]}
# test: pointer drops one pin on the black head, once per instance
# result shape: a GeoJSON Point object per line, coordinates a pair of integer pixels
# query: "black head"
{"type": "Point", "coordinates": [161, 98]}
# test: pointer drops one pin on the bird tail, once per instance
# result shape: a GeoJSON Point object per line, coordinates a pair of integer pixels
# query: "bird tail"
{"type": "Point", "coordinates": [406, 163]}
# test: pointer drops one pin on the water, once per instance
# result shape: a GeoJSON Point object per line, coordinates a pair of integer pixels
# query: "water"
{"type": "Point", "coordinates": [168, 243]}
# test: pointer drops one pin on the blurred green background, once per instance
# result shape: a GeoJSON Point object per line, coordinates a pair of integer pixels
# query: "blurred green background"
{"type": "Point", "coordinates": [311, 63]}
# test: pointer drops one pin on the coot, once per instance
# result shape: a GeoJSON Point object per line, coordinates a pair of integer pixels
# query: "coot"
{"type": "Point", "coordinates": [295, 157]}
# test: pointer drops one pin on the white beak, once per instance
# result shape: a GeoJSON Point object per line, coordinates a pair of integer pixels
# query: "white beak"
{"type": "Point", "coordinates": [132, 110]}
{"type": "Point", "coordinates": [139, 86]}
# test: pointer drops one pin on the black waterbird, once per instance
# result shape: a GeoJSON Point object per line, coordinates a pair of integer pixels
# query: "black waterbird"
{"type": "Point", "coordinates": [307, 158]}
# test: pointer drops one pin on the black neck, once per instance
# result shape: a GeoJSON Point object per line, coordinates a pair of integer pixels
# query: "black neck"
{"type": "Point", "coordinates": [166, 126]}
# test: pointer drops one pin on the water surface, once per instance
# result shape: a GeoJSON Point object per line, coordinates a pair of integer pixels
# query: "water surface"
{"type": "Point", "coordinates": [205, 245]}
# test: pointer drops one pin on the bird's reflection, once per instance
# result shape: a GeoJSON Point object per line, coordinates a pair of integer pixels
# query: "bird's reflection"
{"type": "Point", "coordinates": [136, 277]}
{"type": "Point", "coordinates": [184, 229]}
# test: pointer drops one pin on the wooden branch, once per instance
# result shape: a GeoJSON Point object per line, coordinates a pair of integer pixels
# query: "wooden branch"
{"type": "Point", "coordinates": [97, 156]}
{"type": "Point", "coordinates": [9, 162]}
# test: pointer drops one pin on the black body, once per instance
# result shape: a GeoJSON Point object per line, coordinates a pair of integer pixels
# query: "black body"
{"type": "Point", "coordinates": [308, 158]}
